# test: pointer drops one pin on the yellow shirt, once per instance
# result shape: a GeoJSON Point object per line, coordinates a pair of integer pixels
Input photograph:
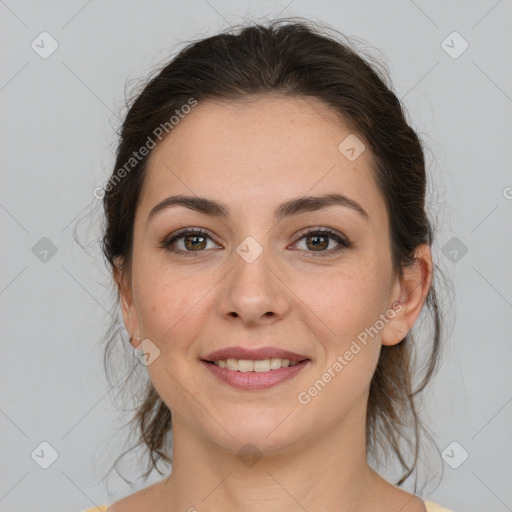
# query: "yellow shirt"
{"type": "Point", "coordinates": [430, 506]}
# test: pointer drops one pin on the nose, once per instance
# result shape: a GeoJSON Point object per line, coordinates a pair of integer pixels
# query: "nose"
{"type": "Point", "coordinates": [253, 291]}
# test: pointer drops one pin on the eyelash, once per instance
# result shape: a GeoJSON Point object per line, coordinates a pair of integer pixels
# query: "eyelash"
{"type": "Point", "coordinates": [344, 243]}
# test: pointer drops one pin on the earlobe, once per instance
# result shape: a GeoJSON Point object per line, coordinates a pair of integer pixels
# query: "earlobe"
{"type": "Point", "coordinates": [410, 291]}
{"type": "Point", "coordinates": [396, 329]}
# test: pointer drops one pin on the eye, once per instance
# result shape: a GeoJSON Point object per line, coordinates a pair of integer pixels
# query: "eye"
{"type": "Point", "coordinates": [190, 241]}
{"type": "Point", "coordinates": [318, 239]}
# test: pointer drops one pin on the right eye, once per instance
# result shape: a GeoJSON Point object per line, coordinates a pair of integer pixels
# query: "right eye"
{"type": "Point", "coordinates": [193, 241]}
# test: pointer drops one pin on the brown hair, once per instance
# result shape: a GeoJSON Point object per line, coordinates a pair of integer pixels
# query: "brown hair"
{"type": "Point", "coordinates": [293, 57]}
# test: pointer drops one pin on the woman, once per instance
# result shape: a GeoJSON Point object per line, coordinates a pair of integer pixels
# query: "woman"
{"type": "Point", "coordinates": [267, 233]}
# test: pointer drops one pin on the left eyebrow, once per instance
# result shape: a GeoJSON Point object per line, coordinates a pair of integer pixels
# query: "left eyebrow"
{"type": "Point", "coordinates": [313, 203]}
{"type": "Point", "coordinates": [289, 208]}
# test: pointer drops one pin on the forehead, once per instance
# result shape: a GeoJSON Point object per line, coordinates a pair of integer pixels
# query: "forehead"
{"type": "Point", "coordinates": [258, 152]}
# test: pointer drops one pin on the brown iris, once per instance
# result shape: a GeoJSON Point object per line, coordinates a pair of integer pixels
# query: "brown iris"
{"type": "Point", "coordinates": [191, 242]}
{"type": "Point", "coordinates": [316, 244]}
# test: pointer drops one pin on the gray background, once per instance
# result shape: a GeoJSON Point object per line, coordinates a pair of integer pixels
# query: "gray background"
{"type": "Point", "coordinates": [57, 144]}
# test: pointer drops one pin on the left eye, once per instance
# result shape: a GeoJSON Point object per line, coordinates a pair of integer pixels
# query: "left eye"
{"type": "Point", "coordinates": [319, 241]}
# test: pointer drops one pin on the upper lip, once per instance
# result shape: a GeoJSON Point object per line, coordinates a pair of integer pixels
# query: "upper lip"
{"type": "Point", "coordinates": [254, 354]}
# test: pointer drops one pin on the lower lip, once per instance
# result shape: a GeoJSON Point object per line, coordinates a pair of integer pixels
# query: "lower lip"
{"type": "Point", "coordinates": [255, 380]}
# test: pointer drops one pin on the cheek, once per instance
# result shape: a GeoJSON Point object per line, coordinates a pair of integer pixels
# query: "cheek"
{"type": "Point", "coordinates": [169, 312]}
{"type": "Point", "coordinates": [169, 304]}
{"type": "Point", "coordinates": [341, 310]}
{"type": "Point", "coordinates": [341, 304]}
{"type": "Point", "coordinates": [348, 307]}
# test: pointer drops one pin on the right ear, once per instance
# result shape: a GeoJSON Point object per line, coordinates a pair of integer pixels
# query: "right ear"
{"type": "Point", "coordinates": [130, 317]}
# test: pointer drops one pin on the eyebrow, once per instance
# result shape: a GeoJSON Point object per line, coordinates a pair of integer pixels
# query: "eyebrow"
{"type": "Point", "coordinates": [289, 208]}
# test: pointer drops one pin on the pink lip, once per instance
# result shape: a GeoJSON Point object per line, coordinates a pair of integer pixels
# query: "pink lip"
{"type": "Point", "coordinates": [254, 354]}
{"type": "Point", "coordinates": [254, 380]}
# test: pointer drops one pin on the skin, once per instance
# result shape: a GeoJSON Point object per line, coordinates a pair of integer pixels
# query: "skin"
{"type": "Point", "coordinates": [253, 156]}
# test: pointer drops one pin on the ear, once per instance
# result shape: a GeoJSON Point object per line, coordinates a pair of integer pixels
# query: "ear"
{"type": "Point", "coordinates": [409, 293]}
{"type": "Point", "coordinates": [128, 309]}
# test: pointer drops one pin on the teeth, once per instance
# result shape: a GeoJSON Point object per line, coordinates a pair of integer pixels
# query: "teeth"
{"type": "Point", "coordinates": [248, 365]}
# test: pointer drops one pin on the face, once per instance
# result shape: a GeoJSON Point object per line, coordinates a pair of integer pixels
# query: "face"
{"type": "Point", "coordinates": [250, 279]}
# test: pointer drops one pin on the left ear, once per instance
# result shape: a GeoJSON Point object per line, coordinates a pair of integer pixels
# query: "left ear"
{"type": "Point", "coordinates": [410, 291]}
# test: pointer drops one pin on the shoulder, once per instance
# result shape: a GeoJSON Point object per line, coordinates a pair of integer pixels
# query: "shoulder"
{"type": "Point", "coordinates": [131, 503]}
{"type": "Point", "coordinates": [144, 499]}
{"type": "Point", "coordinates": [434, 507]}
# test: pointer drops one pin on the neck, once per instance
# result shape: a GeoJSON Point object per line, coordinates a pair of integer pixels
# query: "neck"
{"type": "Point", "coordinates": [327, 472]}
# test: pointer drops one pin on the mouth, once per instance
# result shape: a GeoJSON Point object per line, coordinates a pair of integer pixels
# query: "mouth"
{"type": "Point", "coordinates": [258, 354]}
{"type": "Point", "coordinates": [254, 369]}
{"type": "Point", "coordinates": [257, 365]}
